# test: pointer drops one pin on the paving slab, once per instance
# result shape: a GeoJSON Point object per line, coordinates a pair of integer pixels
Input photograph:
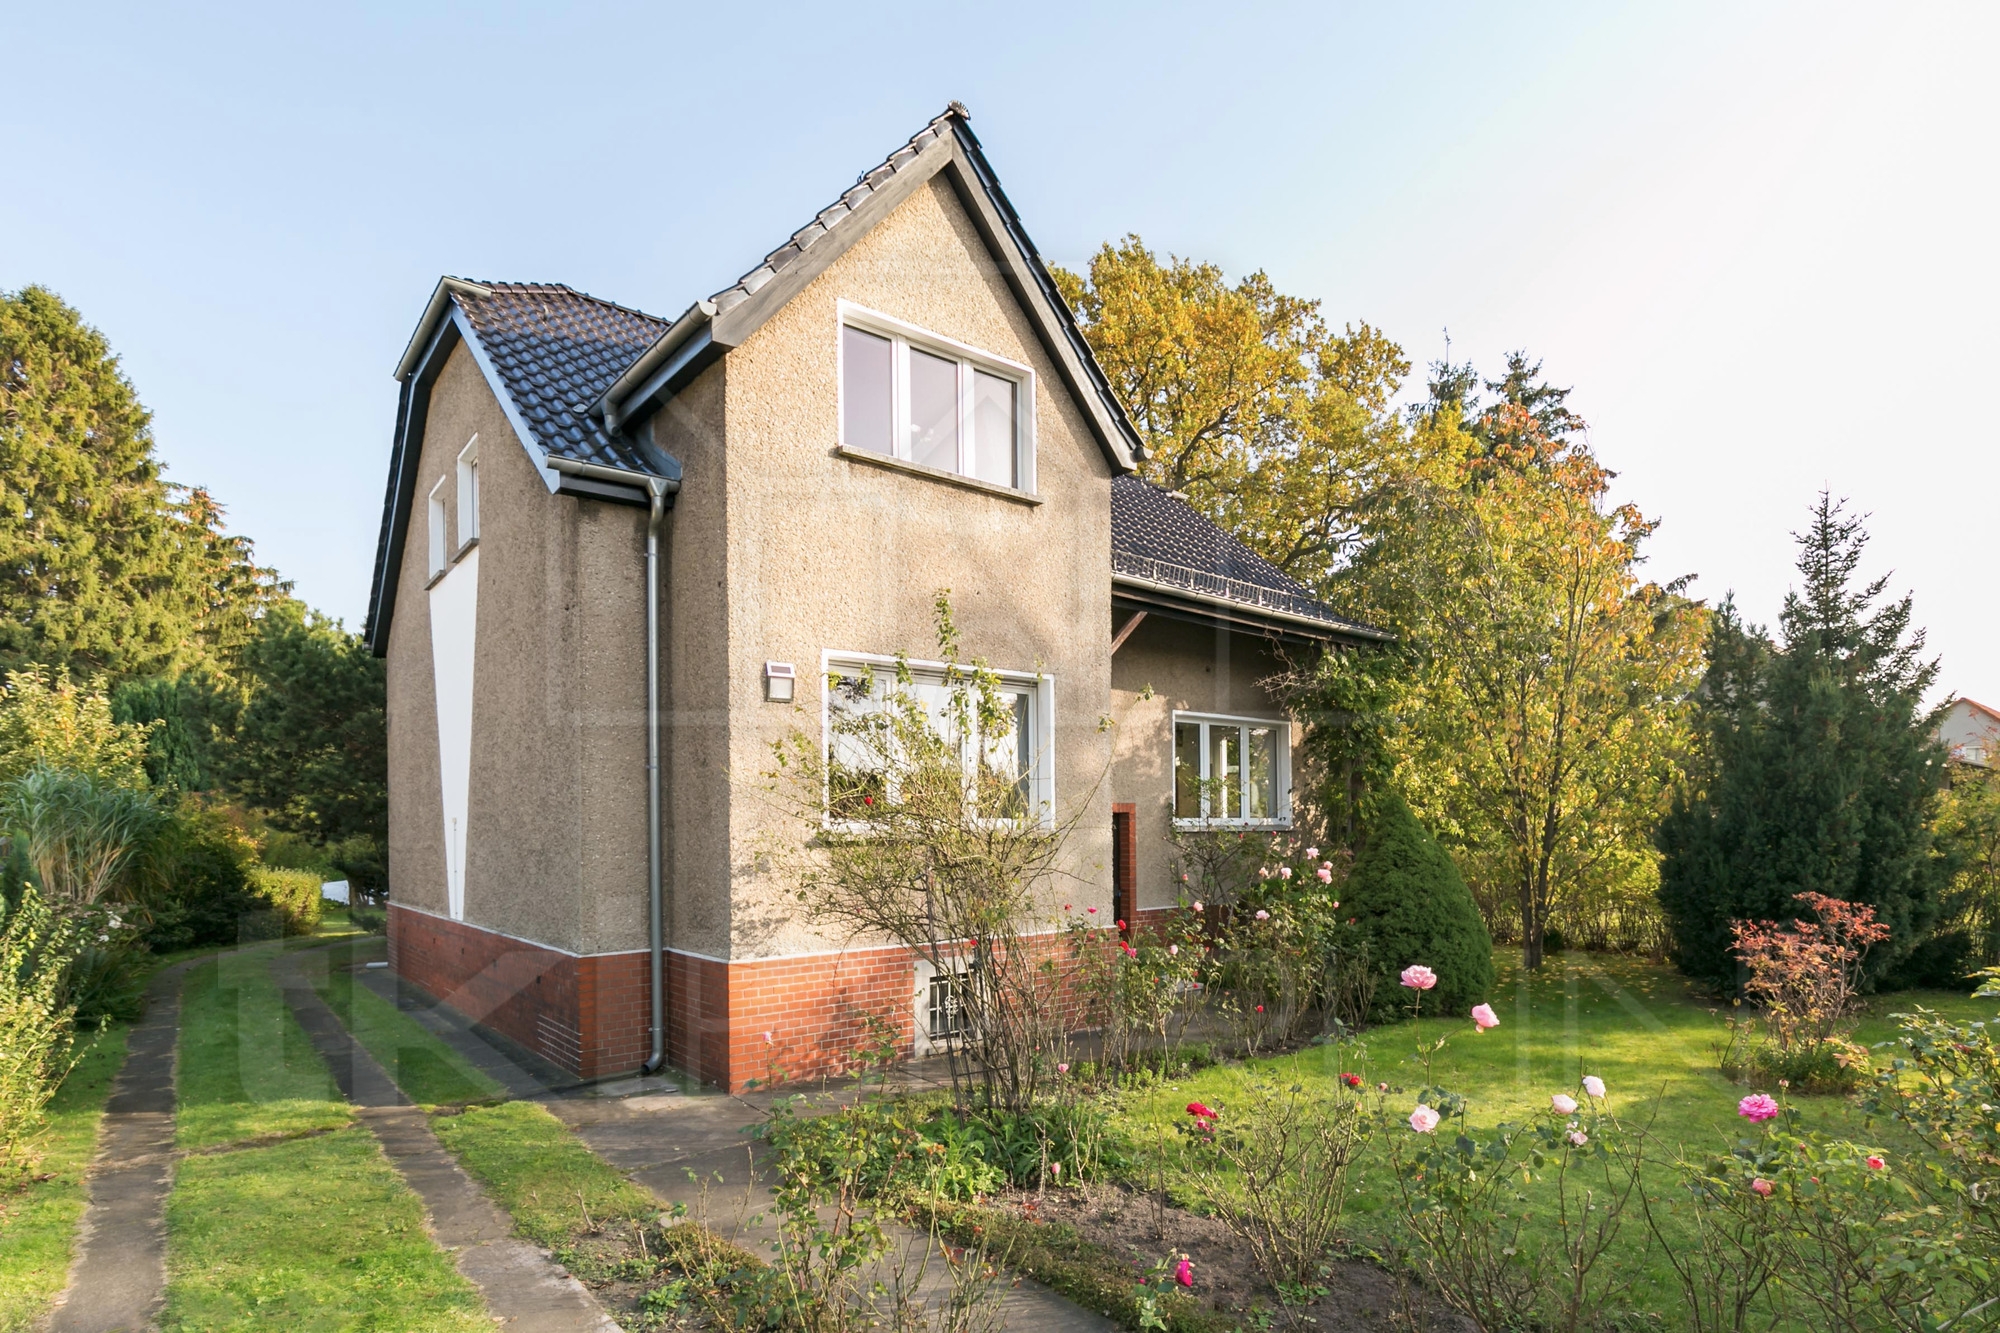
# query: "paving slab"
{"type": "Point", "coordinates": [522, 1286]}
{"type": "Point", "coordinates": [118, 1280]}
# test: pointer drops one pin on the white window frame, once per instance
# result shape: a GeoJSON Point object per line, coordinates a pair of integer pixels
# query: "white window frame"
{"type": "Point", "coordinates": [1041, 724]}
{"type": "Point", "coordinates": [927, 972]}
{"type": "Point", "coordinates": [468, 494]}
{"type": "Point", "coordinates": [903, 337]}
{"type": "Point", "coordinates": [437, 536]}
{"type": "Point", "coordinates": [1281, 780]}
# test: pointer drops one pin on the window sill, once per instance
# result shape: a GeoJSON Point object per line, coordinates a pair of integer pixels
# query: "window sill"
{"type": "Point", "coordinates": [460, 553]}
{"type": "Point", "coordinates": [960, 480]}
{"type": "Point", "coordinates": [1252, 825]}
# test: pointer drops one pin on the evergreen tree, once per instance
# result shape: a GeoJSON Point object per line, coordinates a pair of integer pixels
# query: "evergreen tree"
{"type": "Point", "coordinates": [311, 743]}
{"type": "Point", "coordinates": [104, 565]}
{"type": "Point", "coordinates": [1822, 766]}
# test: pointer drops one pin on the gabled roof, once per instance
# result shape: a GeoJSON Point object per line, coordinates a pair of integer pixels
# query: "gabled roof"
{"type": "Point", "coordinates": [710, 328]}
{"type": "Point", "coordinates": [1162, 548]}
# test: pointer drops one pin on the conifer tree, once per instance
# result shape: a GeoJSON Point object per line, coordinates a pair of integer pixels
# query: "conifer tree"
{"type": "Point", "coordinates": [1822, 767]}
{"type": "Point", "coordinates": [104, 565]}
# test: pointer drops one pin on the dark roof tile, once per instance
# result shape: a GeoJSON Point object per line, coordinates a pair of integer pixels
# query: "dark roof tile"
{"type": "Point", "coordinates": [1160, 538]}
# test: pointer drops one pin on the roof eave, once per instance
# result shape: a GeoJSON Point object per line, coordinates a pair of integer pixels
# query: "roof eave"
{"type": "Point", "coordinates": [1280, 621]}
{"type": "Point", "coordinates": [434, 313]}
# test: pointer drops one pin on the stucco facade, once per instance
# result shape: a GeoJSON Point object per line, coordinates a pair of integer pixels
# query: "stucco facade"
{"type": "Point", "coordinates": [780, 546]}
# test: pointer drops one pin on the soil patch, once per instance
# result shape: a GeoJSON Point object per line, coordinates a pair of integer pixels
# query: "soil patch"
{"type": "Point", "coordinates": [1361, 1297]}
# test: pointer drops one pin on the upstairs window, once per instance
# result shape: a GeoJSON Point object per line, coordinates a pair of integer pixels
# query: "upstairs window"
{"type": "Point", "coordinates": [440, 549]}
{"type": "Point", "coordinates": [1231, 770]}
{"type": "Point", "coordinates": [927, 400]}
{"type": "Point", "coordinates": [468, 493]}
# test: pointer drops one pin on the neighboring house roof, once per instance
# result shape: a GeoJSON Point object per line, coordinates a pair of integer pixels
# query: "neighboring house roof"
{"type": "Point", "coordinates": [1163, 547]}
{"type": "Point", "coordinates": [1978, 707]}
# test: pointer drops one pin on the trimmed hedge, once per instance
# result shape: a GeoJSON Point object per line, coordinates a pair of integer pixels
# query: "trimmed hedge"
{"type": "Point", "coordinates": [294, 893]}
{"type": "Point", "coordinates": [1411, 900]}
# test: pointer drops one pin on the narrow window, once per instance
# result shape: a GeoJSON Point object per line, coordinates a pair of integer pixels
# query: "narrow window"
{"type": "Point", "coordinates": [857, 739]}
{"type": "Point", "coordinates": [1187, 770]}
{"type": "Point", "coordinates": [1260, 774]}
{"type": "Point", "coordinates": [867, 391]}
{"type": "Point", "coordinates": [993, 452]}
{"type": "Point", "coordinates": [1225, 772]}
{"type": "Point", "coordinates": [933, 411]}
{"type": "Point", "coordinates": [440, 552]}
{"type": "Point", "coordinates": [468, 492]}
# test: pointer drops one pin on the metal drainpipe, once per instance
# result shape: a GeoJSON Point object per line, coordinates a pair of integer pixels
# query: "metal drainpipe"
{"type": "Point", "coordinates": [656, 909]}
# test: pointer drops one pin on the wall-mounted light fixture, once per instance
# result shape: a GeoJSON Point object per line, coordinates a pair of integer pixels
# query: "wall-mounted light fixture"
{"type": "Point", "coordinates": [779, 678]}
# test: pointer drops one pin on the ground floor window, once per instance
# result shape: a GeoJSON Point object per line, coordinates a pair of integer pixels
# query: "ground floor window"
{"type": "Point", "coordinates": [1232, 770]}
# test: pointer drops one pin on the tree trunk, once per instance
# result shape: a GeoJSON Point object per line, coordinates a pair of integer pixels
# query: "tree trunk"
{"type": "Point", "coordinates": [1531, 926]}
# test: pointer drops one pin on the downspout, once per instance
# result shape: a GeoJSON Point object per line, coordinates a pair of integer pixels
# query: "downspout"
{"type": "Point", "coordinates": [657, 492]}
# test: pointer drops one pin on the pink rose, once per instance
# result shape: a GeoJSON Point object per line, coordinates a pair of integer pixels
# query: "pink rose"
{"type": "Point", "coordinates": [1578, 1137]}
{"type": "Point", "coordinates": [1594, 1085]}
{"type": "Point", "coordinates": [1483, 1015]}
{"type": "Point", "coordinates": [1263, 915]}
{"type": "Point", "coordinates": [1184, 1273]}
{"type": "Point", "coordinates": [1424, 1119]}
{"type": "Point", "coordinates": [1284, 872]}
{"type": "Point", "coordinates": [1418, 977]}
{"type": "Point", "coordinates": [1757, 1106]}
{"type": "Point", "coordinates": [1312, 853]}
{"type": "Point", "coordinates": [1062, 1069]}
{"type": "Point", "coordinates": [1197, 904]}
{"type": "Point", "coordinates": [1564, 1103]}
{"type": "Point", "coordinates": [1876, 1164]}
{"type": "Point", "coordinates": [1325, 875]}
{"type": "Point", "coordinates": [1761, 1186]}
{"type": "Point", "coordinates": [1173, 950]}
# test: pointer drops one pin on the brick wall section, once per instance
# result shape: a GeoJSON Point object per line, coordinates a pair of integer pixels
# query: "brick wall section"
{"type": "Point", "coordinates": [590, 1015]}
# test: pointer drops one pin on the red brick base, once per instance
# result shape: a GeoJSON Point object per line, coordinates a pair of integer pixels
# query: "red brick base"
{"type": "Point", "coordinates": [727, 1023]}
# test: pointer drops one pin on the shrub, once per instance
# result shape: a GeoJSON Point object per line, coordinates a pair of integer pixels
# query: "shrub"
{"type": "Point", "coordinates": [194, 884]}
{"type": "Point", "coordinates": [80, 831]}
{"type": "Point", "coordinates": [36, 1032]}
{"type": "Point", "coordinates": [1413, 907]}
{"type": "Point", "coordinates": [295, 895]}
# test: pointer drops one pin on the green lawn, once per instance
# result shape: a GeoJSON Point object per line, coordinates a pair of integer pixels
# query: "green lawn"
{"type": "Point", "coordinates": [38, 1221]}
{"type": "Point", "coordinates": [246, 1068]}
{"type": "Point", "coordinates": [313, 1234]}
{"type": "Point", "coordinates": [540, 1172]}
{"type": "Point", "coordinates": [429, 1072]}
{"type": "Point", "coordinates": [1638, 1027]}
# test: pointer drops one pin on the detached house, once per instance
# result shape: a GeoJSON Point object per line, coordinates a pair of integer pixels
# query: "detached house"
{"type": "Point", "coordinates": [621, 555]}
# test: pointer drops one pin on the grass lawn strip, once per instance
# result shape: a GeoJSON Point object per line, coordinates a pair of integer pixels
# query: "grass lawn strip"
{"type": "Point", "coordinates": [247, 1070]}
{"type": "Point", "coordinates": [646, 1269]}
{"type": "Point", "coordinates": [316, 1234]}
{"type": "Point", "coordinates": [429, 1072]}
{"type": "Point", "coordinates": [38, 1221]}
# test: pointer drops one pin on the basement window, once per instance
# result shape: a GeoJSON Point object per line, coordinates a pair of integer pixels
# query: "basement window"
{"type": "Point", "coordinates": [928, 400]}
{"type": "Point", "coordinates": [1232, 770]}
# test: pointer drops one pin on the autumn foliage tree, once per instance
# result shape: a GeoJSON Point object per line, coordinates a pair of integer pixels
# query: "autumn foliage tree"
{"type": "Point", "coordinates": [1271, 424]}
{"type": "Point", "coordinates": [1548, 690]}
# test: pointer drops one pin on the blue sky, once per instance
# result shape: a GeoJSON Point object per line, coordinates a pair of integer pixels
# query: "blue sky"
{"type": "Point", "coordinates": [1758, 240]}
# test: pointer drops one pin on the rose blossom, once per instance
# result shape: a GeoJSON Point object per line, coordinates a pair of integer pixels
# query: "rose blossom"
{"type": "Point", "coordinates": [1876, 1164]}
{"type": "Point", "coordinates": [1483, 1015]}
{"type": "Point", "coordinates": [1197, 904]}
{"type": "Point", "coordinates": [1284, 872]}
{"type": "Point", "coordinates": [1062, 1069]}
{"type": "Point", "coordinates": [1757, 1106]}
{"type": "Point", "coordinates": [1312, 853]}
{"type": "Point", "coordinates": [1593, 1085]}
{"type": "Point", "coordinates": [1564, 1103]}
{"type": "Point", "coordinates": [1200, 1112]}
{"type": "Point", "coordinates": [1173, 951]}
{"type": "Point", "coordinates": [1325, 875]}
{"type": "Point", "coordinates": [1184, 1273]}
{"type": "Point", "coordinates": [1424, 1119]}
{"type": "Point", "coordinates": [1761, 1186]}
{"type": "Point", "coordinates": [1418, 977]}
{"type": "Point", "coordinates": [1263, 915]}
{"type": "Point", "coordinates": [1578, 1137]}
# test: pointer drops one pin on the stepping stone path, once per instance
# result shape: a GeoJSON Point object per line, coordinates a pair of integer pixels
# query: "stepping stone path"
{"type": "Point", "coordinates": [118, 1281]}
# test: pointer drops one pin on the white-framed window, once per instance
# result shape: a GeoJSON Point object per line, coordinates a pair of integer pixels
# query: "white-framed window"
{"type": "Point", "coordinates": [1232, 770]}
{"type": "Point", "coordinates": [928, 400]}
{"type": "Point", "coordinates": [944, 1015]}
{"type": "Point", "coordinates": [1011, 757]}
{"type": "Point", "coordinates": [468, 492]}
{"type": "Point", "coordinates": [440, 548]}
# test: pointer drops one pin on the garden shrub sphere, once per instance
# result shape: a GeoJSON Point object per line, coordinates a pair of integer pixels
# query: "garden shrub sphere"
{"type": "Point", "coordinates": [1409, 897]}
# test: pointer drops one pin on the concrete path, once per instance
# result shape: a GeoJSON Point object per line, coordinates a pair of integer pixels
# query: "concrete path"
{"type": "Point", "coordinates": [118, 1280]}
{"type": "Point", "coordinates": [521, 1286]}
{"type": "Point", "coordinates": [690, 1145]}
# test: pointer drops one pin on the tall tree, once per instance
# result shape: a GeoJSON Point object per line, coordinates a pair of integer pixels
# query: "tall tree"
{"type": "Point", "coordinates": [1548, 693]}
{"type": "Point", "coordinates": [311, 744]}
{"type": "Point", "coordinates": [1270, 424]}
{"type": "Point", "coordinates": [1822, 767]}
{"type": "Point", "coordinates": [104, 565]}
